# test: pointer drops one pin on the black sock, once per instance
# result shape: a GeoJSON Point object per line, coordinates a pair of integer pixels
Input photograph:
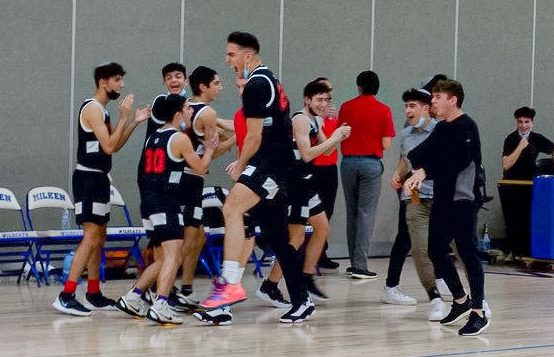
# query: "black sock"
{"type": "Point", "coordinates": [433, 293]}
{"type": "Point", "coordinates": [186, 289]}
{"type": "Point", "coordinates": [270, 284]}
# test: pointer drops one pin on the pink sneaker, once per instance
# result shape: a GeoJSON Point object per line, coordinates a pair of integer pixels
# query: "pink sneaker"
{"type": "Point", "coordinates": [224, 294]}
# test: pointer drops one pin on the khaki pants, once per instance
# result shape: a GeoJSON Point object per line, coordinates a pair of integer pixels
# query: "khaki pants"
{"type": "Point", "coordinates": [417, 219]}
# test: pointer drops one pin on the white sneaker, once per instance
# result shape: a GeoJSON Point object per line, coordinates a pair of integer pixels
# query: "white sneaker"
{"type": "Point", "coordinates": [162, 313]}
{"type": "Point", "coordinates": [132, 304]}
{"type": "Point", "coordinates": [437, 311]}
{"type": "Point", "coordinates": [487, 310]}
{"type": "Point", "coordinates": [443, 288]}
{"type": "Point", "coordinates": [395, 296]}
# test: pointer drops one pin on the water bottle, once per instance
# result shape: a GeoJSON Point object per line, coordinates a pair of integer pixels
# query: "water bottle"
{"type": "Point", "coordinates": [67, 265]}
{"type": "Point", "coordinates": [66, 219]}
{"type": "Point", "coordinates": [485, 241]}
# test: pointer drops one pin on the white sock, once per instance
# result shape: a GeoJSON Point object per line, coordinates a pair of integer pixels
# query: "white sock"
{"type": "Point", "coordinates": [241, 272]}
{"type": "Point", "coordinates": [231, 271]}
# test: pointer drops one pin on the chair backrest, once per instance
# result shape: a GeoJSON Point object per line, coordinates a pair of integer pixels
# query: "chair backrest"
{"type": "Point", "coordinates": [47, 197]}
{"type": "Point", "coordinates": [116, 199]}
{"type": "Point", "coordinates": [8, 201]}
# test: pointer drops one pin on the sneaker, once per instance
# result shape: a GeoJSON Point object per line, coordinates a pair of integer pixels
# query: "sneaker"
{"type": "Point", "coordinates": [475, 325]}
{"type": "Point", "coordinates": [181, 302]}
{"type": "Point", "coordinates": [327, 263]}
{"type": "Point", "coordinates": [149, 296]}
{"type": "Point", "coordinates": [299, 313]}
{"type": "Point", "coordinates": [133, 305]}
{"type": "Point", "coordinates": [97, 301]}
{"type": "Point", "coordinates": [363, 274]}
{"type": "Point", "coordinates": [349, 270]}
{"type": "Point", "coordinates": [437, 311]}
{"type": "Point", "coordinates": [442, 288]}
{"type": "Point", "coordinates": [270, 293]}
{"type": "Point", "coordinates": [395, 296]}
{"type": "Point", "coordinates": [457, 312]}
{"type": "Point", "coordinates": [313, 290]}
{"type": "Point", "coordinates": [222, 316]}
{"type": "Point", "coordinates": [487, 310]}
{"type": "Point", "coordinates": [68, 304]}
{"type": "Point", "coordinates": [224, 294]}
{"type": "Point", "coordinates": [162, 313]}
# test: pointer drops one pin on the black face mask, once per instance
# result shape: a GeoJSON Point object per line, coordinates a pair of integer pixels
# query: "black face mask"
{"type": "Point", "coordinates": [113, 95]}
{"type": "Point", "coordinates": [312, 113]}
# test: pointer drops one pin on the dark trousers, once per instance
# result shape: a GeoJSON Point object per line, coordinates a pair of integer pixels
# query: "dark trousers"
{"type": "Point", "coordinates": [456, 221]}
{"type": "Point", "coordinates": [327, 180]}
{"type": "Point", "coordinates": [400, 248]}
{"type": "Point", "coordinates": [273, 224]}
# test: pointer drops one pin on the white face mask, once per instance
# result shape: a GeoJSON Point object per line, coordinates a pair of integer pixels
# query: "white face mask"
{"type": "Point", "coordinates": [524, 135]}
{"type": "Point", "coordinates": [183, 92]}
{"type": "Point", "coordinates": [420, 123]}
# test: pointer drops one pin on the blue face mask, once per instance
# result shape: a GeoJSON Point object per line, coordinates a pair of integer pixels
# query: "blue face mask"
{"type": "Point", "coordinates": [182, 125]}
{"type": "Point", "coordinates": [183, 92]}
{"type": "Point", "coordinates": [245, 73]}
{"type": "Point", "coordinates": [420, 123]}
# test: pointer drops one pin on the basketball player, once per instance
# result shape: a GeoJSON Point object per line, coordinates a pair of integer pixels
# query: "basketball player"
{"type": "Point", "coordinates": [166, 155]}
{"type": "Point", "coordinates": [91, 185]}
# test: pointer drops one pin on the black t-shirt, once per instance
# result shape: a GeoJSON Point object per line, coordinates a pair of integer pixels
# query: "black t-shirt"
{"type": "Point", "coordinates": [525, 166]}
{"type": "Point", "coordinates": [263, 97]}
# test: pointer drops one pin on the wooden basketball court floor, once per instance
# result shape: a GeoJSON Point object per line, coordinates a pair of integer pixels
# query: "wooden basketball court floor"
{"type": "Point", "coordinates": [353, 323]}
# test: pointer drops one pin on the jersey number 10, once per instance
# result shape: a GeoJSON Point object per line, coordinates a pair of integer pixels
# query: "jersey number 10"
{"type": "Point", "coordinates": [154, 161]}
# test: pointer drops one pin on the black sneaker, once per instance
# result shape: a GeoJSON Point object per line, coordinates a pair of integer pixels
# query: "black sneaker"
{"type": "Point", "coordinates": [222, 316]}
{"type": "Point", "coordinates": [349, 270]}
{"type": "Point", "coordinates": [68, 304]}
{"type": "Point", "coordinates": [457, 312]}
{"type": "Point", "coordinates": [475, 325]}
{"type": "Point", "coordinates": [270, 292]}
{"type": "Point", "coordinates": [327, 263]}
{"type": "Point", "coordinates": [97, 301]}
{"type": "Point", "coordinates": [313, 290]}
{"type": "Point", "coordinates": [299, 313]}
{"type": "Point", "coordinates": [363, 274]}
{"type": "Point", "coordinates": [183, 303]}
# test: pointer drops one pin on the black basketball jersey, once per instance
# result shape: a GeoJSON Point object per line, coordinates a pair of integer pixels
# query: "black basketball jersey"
{"type": "Point", "coordinates": [314, 130]}
{"type": "Point", "coordinates": [89, 150]}
{"type": "Point", "coordinates": [264, 97]}
{"type": "Point", "coordinates": [195, 135]}
{"type": "Point", "coordinates": [156, 119]}
{"type": "Point", "coordinates": [161, 171]}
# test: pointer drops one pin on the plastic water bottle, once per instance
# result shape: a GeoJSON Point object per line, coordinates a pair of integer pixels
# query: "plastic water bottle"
{"type": "Point", "coordinates": [66, 219]}
{"type": "Point", "coordinates": [67, 265]}
{"type": "Point", "coordinates": [485, 241]}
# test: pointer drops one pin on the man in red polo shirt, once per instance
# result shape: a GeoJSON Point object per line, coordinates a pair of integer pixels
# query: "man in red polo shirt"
{"type": "Point", "coordinates": [361, 167]}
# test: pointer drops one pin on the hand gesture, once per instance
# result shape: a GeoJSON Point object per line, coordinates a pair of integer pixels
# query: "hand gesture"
{"type": "Point", "coordinates": [395, 181]}
{"type": "Point", "coordinates": [331, 112]}
{"type": "Point", "coordinates": [523, 143]}
{"type": "Point", "coordinates": [142, 114]}
{"type": "Point", "coordinates": [211, 141]}
{"type": "Point", "coordinates": [342, 132]}
{"type": "Point", "coordinates": [414, 182]}
{"type": "Point", "coordinates": [125, 106]}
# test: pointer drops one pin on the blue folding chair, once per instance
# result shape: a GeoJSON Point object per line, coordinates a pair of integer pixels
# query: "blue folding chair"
{"type": "Point", "coordinates": [16, 247]}
{"type": "Point", "coordinates": [51, 245]}
{"type": "Point", "coordinates": [122, 238]}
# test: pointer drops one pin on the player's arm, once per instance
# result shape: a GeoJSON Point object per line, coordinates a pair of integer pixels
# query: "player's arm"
{"type": "Point", "coordinates": [141, 115]}
{"type": "Point", "coordinates": [301, 132]}
{"type": "Point", "coordinates": [226, 124]}
{"type": "Point", "coordinates": [509, 160]}
{"type": "Point", "coordinates": [93, 117]}
{"type": "Point", "coordinates": [182, 147]}
{"type": "Point", "coordinates": [209, 122]}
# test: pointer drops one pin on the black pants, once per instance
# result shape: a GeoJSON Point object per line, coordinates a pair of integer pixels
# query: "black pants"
{"type": "Point", "coordinates": [272, 218]}
{"type": "Point", "coordinates": [327, 180]}
{"type": "Point", "coordinates": [400, 248]}
{"type": "Point", "coordinates": [456, 221]}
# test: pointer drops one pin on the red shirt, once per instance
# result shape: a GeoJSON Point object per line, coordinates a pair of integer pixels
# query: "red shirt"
{"type": "Point", "coordinates": [240, 127]}
{"type": "Point", "coordinates": [328, 127]}
{"type": "Point", "coordinates": [370, 120]}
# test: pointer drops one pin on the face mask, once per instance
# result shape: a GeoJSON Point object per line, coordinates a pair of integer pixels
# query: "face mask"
{"type": "Point", "coordinates": [182, 125]}
{"type": "Point", "coordinates": [524, 135]}
{"type": "Point", "coordinates": [183, 92]}
{"type": "Point", "coordinates": [113, 95]}
{"type": "Point", "coordinates": [420, 123]}
{"type": "Point", "coordinates": [245, 71]}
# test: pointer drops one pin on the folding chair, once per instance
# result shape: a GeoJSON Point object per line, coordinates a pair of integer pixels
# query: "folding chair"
{"type": "Point", "coordinates": [16, 247]}
{"type": "Point", "coordinates": [51, 245]}
{"type": "Point", "coordinates": [122, 238]}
